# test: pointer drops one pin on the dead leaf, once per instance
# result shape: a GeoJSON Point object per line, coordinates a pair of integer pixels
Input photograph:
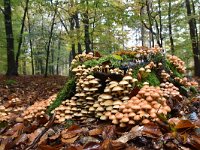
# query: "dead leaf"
{"type": "Point", "coordinates": [134, 132]}
{"type": "Point", "coordinates": [21, 139]}
{"type": "Point", "coordinates": [33, 135]}
{"type": "Point", "coordinates": [151, 130]}
{"type": "Point", "coordinates": [70, 141]}
{"type": "Point", "coordinates": [112, 145]}
{"type": "Point", "coordinates": [14, 131]}
{"type": "Point", "coordinates": [91, 146]}
{"type": "Point", "coordinates": [109, 132]}
{"type": "Point", "coordinates": [69, 135]}
{"type": "Point", "coordinates": [184, 124]}
{"type": "Point", "coordinates": [106, 145]}
{"type": "Point", "coordinates": [96, 131]}
{"type": "Point", "coordinates": [194, 141]}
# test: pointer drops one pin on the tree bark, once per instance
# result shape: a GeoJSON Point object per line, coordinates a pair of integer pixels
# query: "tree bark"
{"type": "Point", "coordinates": [21, 34]}
{"type": "Point", "coordinates": [194, 39]}
{"type": "Point", "coordinates": [87, 29]}
{"type": "Point", "coordinates": [170, 28]}
{"type": "Point", "coordinates": [11, 65]}
{"type": "Point", "coordinates": [77, 26]}
{"type": "Point", "coordinates": [31, 45]}
{"type": "Point", "coordinates": [49, 42]}
{"type": "Point", "coordinates": [58, 56]}
{"type": "Point", "coordinates": [73, 52]}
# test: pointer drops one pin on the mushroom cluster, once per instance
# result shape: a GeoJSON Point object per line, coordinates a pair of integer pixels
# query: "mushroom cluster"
{"type": "Point", "coordinates": [164, 75]}
{"type": "Point", "coordinates": [143, 107]}
{"type": "Point", "coordinates": [83, 57]}
{"type": "Point", "coordinates": [177, 62]}
{"type": "Point", "coordinates": [88, 103]}
{"type": "Point", "coordinates": [86, 94]}
{"type": "Point", "coordinates": [37, 109]}
{"type": "Point", "coordinates": [115, 94]}
{"type": "Point", "coordinates": [184, 81]}
{"type": "Point", "coordinates": [169, 90]}
{"type": "Point", "coordinates": [4, 113]}
{"type": "Point", "coordinates": [140, 51]}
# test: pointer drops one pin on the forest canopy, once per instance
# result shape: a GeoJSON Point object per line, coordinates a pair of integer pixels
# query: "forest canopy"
{"type": "Point", "coordinates": [43, 36]}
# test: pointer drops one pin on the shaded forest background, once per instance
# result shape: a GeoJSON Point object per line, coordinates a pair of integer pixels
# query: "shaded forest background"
{"type": "Point", "coordinates": [43, 36]}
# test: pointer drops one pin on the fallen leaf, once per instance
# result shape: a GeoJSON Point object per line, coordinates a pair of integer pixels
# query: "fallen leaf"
{"type": "Point", "coordinates": [112, 145]}
{"type": "Point", "coordinates": [21, 139]}
{"type": "Point", "coordinates": [15, 129]}
{"type": "Point", "coordinates": [134, 132]}
{"type": "Point", "coordinates": [109, 132]}
{"type": "Point", "coordinates": [96, 131]}
{"type": "Point", "coordinates": [151, 130]}
{"type": "Point", "coordinates": [33, 135]}
{"type": "Point", "coordinates": [106, 145]}
{"type": "Point", "coordinates": [91, 146]}
{"type": "Point", "coordinates": [70, 141]}
{"type": "Point", "coordinates": [184, 124]}
{"type": "Point", "coordinates": [194, 141]}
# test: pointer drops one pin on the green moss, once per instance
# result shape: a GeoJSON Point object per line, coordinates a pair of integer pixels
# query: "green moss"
{"type": "Point", "coordinates": [67, 92]}
{"type": "Point", "coordinates": [10, 82]}
{"type": "Point", "coordinates": [152, 79]}
{"type": "Point", "coordinates": [169, 66]}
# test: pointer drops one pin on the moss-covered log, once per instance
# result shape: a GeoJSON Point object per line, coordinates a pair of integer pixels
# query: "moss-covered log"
{"type": "Point", "coordinates": [67, 92]}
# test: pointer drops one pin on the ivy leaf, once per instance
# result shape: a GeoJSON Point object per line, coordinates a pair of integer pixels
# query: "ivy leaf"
{"type": "Point", "coordinates": [117, 57]}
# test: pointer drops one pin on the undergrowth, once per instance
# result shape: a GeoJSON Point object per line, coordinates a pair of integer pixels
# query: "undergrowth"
{"type": "Point", "coordinates": [67, 92]}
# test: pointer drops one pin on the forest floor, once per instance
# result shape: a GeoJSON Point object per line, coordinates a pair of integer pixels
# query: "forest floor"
{"type": "Point", "coordinates": [20, 94]}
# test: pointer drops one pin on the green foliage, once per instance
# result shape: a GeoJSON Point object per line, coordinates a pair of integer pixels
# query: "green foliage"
{"type": "Point", "coordinates": [10, 82]}
{"type": "Point", "coordinates": [169, 66]}
{"type": "Point", "coordinates": [152, 79]}
{"type": "Point", "coordinates": [67, 91]}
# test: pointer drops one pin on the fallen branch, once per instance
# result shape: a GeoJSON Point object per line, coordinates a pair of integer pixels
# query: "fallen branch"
{"type": "Point", "coordinates": [37, 139]}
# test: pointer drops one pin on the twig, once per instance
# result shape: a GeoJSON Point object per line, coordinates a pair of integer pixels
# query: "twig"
{"type": "Point", "coordinates": [37, 139]}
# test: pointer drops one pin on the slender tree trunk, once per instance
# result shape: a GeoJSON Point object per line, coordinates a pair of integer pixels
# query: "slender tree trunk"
{"type": "Point", "coordinates": [87, 29]}
{"type": "Point", "coordinates": [160, 23]}
{"type": "Point", "coordinates": [31, 45]}
{"type": "Point", "coordinates": [194, 37]}
{"type": "Point", "coordinates": [11, 65]}
{"type": "Point", "coordinates": [58, 56]}
{"type": "Point", "coordinates": [73, 52]}
{"type": "Point", "coordinates": [49, 42]}
{"type": "Point", "coordinates": [150, 22]}
{"type": "Point", "coordinates": [21, 34]}
{"type": "Point", "coordinates": [77, 26]}
{"type": "Point", "coordinates": [170, 28]}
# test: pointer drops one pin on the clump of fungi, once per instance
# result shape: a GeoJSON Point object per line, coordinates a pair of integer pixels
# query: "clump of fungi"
{"type": "Point", "coordinates": [177, 62]}
{"type": "Point", "coordinates": [4, 113]}
{"type": "Point", "coordinates": [88, 102]}
{"type": "Point", "coordinates": [115, 94]}
{"type": "Point", "coordinates": [142, 108]}
{"type": "Point", "coordinates": [99, 95]}
{"type": "Point", "coordinates": [37, 109]}
{"type": "Point", "coordinates": [169, 90]}
{"type": "Point", "coordinates": [184, 81]}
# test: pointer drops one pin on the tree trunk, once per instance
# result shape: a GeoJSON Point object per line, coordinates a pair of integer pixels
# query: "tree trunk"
{"type": "Point", "coordinates": [170, 28]}
{"type": "Point", "coordinates": [58, 56]}
{"type": "Point", "coordinates": [194, 37]}
{"type": "Point", "coordinates": [31, 45]}
{"type": "Point", "coordinates": [160, 23]}
{"type": "Point", "coordinates": [86, 28]}
{"type": "Point", "coordinates": [77, 26]}
{"type": "Point", "coordinates": [73, 52]}
{"type": "Point", "coordinates": [21, 34]}
{"type": "Point", "coordinates": [11, 65]}
{"type": "Point", "coordinates": [49, 42]}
